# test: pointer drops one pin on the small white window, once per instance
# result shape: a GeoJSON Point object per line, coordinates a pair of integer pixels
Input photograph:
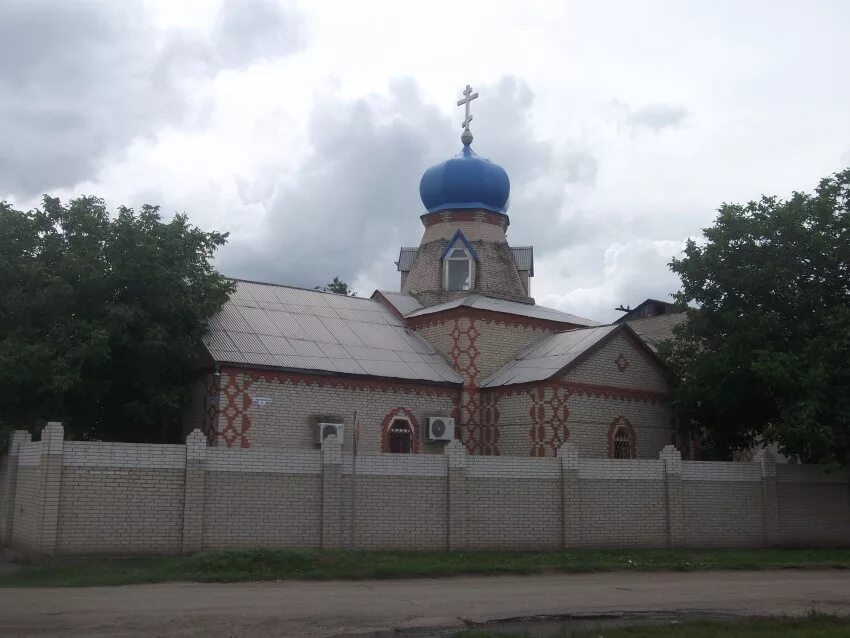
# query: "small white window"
{"type": "Point", "coordinates": [459, 268]}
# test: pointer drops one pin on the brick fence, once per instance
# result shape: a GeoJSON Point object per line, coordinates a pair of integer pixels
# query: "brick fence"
{"type": "Point", "coordinates": [70, 497]}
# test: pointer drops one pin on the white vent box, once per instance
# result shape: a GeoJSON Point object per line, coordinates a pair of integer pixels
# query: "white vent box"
{"type": "Point", "coordinates": [324, 430]}
{"type": "Point", "coordinates": [440, 428]}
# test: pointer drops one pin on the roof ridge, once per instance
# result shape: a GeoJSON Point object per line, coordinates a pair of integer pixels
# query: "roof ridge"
{"type": "Point", "coordinates": [291, 287]}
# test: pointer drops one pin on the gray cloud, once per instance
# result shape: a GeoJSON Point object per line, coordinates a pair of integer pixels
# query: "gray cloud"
{"type": "Point", "coordinates": [80, 81]}
{"type": "Point", "coordinates": [354, 200]}
{"type": "Point", "coordinates": [249, 29]}
{"type": "Point", "coordinates": [356, 196]}
{"type": "Point", "coordinates": [597, 277]}
{"type": "Point", "coordinates": [543, 177]}
{"type": "Point", "coordinates": [657, 117]}
{"type": "Point", "coordinates": [353, 196]}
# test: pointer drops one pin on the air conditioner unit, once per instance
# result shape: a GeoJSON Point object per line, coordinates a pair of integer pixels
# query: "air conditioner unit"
{"type": "Point", "coordinates": [324, 430]}
{"type": "Point", "coordinates": [441, 428]}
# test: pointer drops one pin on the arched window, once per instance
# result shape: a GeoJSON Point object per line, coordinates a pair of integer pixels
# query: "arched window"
{"type": "Point", "coordinates": [459, 268]}
{"type": "Point", "coordinates": [400, 432]}
{"type": "Point", "coordinates": [400, 438]}
{"type": "Point", "coordinates": [621, 439]}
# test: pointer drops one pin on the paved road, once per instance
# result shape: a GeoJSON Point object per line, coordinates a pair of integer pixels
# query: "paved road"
{"type": "Point", "coordinates": [320, 609]}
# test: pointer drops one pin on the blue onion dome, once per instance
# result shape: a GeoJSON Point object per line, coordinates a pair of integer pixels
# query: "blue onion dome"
{"type": "Point", "coordinates": [467, 180]}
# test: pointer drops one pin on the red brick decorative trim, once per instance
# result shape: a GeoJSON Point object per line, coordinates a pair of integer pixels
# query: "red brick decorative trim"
{"type": "Point", "coordinates": [622, 362]}
{"type": "Point", "coordinates": [549, 417]}
{"type": "Point", "coordinates": [237, 421]}
{"type": "Point", "coordinates": [488, 316]}
{"type": "Point", "coordinates": [486, 216]}
{"type": "Point", "coordinates": [348, 383]}
{"type": "Point", "coordinates": [618, 424]}
{"type": "Point", "coordinates": [392, 415]}
{"type": "Point", "coordinates": [586, 389]}
{"type": "Point", "coordinates": [464, 354]}
{"type": "Point", "coordinates": [211, 398]}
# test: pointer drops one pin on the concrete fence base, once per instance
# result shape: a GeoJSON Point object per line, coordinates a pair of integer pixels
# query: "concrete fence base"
{"type": "Point", "coordinates": [70, 497]}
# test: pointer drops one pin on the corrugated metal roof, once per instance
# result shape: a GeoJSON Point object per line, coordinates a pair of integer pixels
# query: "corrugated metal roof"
{"type": "Point", "coordinates": [403, 303]}
{"type": "Point", "coordinates": [406, 255]}
{"type": "Point", "coordinates": [548, 356]}
{"type": "Point", "coordinates": [524, 258]}
{"type": "Point", "coordinates": [307, 330]}
{"type": "Point", "coordinates": [509, 307]}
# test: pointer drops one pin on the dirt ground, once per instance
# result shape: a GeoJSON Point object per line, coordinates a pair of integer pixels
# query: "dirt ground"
{"type": "Point", "coordinates": [320, 609]}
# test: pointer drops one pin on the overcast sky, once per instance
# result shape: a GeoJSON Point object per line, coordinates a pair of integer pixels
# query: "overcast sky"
{"type": "Point", "coordinates": [303, 129]}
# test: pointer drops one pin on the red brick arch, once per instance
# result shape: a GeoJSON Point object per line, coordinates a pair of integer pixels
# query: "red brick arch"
{"type": "Point", "coordinates": [617, 424]}
{"type": "Point", "coordinates": [392, 415]}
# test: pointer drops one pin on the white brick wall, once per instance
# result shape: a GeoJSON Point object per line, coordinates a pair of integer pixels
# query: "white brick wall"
{"type": "Point", "coordinates": [126, 499]}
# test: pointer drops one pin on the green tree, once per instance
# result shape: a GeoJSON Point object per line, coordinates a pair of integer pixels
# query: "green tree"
{"type": "Point", "coordinates": [767, 355]}
{"type": "Point", "coordinates": [338, 287]}
{"type": "Point", "coordinates": [100, 318]}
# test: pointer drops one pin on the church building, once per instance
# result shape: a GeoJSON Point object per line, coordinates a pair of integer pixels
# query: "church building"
{"type": "Point", "coordinates": [461, 351]}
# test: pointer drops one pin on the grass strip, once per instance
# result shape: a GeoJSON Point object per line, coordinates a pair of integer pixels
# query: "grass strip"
{"type": "Point", "coordinates": [812, 626]}
{"type": "Point", "coordinates": [265, 565]}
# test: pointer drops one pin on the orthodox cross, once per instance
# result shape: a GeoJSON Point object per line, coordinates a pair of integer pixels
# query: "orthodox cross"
{"type": "Point", "coordinates": [468, 96]}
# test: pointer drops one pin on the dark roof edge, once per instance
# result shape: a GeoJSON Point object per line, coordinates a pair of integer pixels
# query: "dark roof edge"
{"type": "Point", "coordinates": [343, 375]}
{"type": "Point", "coordinates": [626, 315]}
{"type": "Point", "coordinates": [562, 324]}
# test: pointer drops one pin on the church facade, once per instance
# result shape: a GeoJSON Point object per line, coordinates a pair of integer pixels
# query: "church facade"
{"type": "Point", "coordinates": [460, 351]}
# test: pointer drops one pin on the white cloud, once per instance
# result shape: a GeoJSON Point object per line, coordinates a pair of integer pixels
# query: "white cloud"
{"type": "Point", "coordinates": [304, 131]}
{"type": "Point", "coordinates": [80, 82]}
{"type": "Point", "coordinates": [631, 272]}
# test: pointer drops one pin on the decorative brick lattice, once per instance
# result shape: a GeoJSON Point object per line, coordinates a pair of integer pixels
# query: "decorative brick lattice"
{"type": "Point", "coordinates": [237, 421]}
{"type": "Point", "coordinates": [622, 362]}
{"type": "Point", "coordinates": [392, 415]}
{"type": "Point", "coordinates": [480, 436]}
{"type": "Point", "coordinates": [210, 421]}
{"type": "Point", "coordinates": [549, 414]}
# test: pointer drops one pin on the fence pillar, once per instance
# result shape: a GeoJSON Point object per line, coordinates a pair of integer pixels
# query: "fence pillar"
{"type": "Point", "coordinates": [331, 493]}
{"type": "Point", "coordinates": [49, 487]}
{"type": "Point", "coordinates": [571, 516]}
{"type": "Point", "coordinates": [456, 486]}
{"type": "Point", "coordinates": [194, 491]}
{"type": "Point", "coordinates": [19, 437]}
{"type": "Point", "coordinates": [769, 497]}
{"type": "Point", "coordinates": [674, 501]}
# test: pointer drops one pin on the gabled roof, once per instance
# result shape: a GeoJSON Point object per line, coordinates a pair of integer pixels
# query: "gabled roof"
{"type": "Point", "coordinates": [403, 303]}
{"type": "Point", "coordinates": [556, 354]}
{"type": "Point", "coordinates": [406, 255]}
{"type": "Point", "coordinates": [654, 330]}
{"type": "Point", "coordinates": [492, 304]}
{"type": "Point", "coordinates": [651, 308]}
{"type": "Point", "coordinates": [296, 329]}
{"type": "Point", "coordinates": [459, 236]}
{"type": "Point", "coordinates": [524, 258]}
